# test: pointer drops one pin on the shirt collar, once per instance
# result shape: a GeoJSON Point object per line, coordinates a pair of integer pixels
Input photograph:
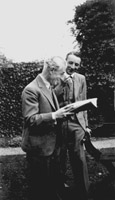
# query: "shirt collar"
{"type": "Point", "coordinates": [72, 75]}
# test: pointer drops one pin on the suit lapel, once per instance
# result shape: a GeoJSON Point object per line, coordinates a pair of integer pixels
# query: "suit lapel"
{"type": "Point", "coordinates": [55, 100]}
{"type": "Point", "coordinates": [46, 92]}
{"type": "Point", "coordinates": [76, 86]}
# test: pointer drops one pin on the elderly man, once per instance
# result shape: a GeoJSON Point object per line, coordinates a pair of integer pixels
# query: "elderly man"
{"type": "Point", "coordinates": [41, 138]}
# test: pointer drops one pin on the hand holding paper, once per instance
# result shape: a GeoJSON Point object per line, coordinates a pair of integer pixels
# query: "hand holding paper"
{"type": "Point", "coordinates": [81, 105]}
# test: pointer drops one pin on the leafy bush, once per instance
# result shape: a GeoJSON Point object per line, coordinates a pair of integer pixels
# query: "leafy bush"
{"type": "Point", "coordinates": [13, 80]}
{"type": "Point", "coordinates": [93, 26]}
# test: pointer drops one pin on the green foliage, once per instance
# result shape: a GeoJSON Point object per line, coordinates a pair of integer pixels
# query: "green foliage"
{"type": "Point", "coordinates": [94, 29]}
{"type": "Point", "coordinates": [13, 80]}
{"type": "Point", "coordinates": [93, 26]}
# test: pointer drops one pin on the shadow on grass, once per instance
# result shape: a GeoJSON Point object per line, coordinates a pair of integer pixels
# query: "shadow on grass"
{"type": "Point", "coordinates": [13, 184]}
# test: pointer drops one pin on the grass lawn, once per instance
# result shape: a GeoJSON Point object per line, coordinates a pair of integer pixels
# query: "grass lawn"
{"type": "Point", "coordinates": [14, 186]}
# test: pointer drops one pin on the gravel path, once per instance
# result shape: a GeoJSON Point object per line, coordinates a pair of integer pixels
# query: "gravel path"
{"type": "Point", "coordinates": [104, 143]}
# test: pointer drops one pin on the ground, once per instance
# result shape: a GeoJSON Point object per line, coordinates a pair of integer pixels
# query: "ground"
{"type": "Point", "coordinates": [14, 186]}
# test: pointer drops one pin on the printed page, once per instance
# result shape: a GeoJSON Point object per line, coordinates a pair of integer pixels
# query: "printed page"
{"type": "Point", "coordinates": [82, 105]}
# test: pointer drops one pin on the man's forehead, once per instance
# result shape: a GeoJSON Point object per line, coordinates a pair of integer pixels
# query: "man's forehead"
{"type": "Point", "coordinates": [59, 61]}
{"type": "Point", "coordinates": [56, 61]}
{"type": "Point", "coordinates": [74, 58]}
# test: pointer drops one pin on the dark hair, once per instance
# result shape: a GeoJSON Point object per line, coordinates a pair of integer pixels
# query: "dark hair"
{"type": "Point", "coordinates": [77, 54]}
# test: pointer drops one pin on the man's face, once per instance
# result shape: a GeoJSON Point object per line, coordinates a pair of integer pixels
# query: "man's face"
{"type": "Point", "coordinates": [58, 73]}
{"type": "Point", "coordinates": [73, 64]}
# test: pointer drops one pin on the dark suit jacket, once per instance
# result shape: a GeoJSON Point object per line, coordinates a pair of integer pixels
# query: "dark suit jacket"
{"type": "Point", "coordinates": [39, 130]}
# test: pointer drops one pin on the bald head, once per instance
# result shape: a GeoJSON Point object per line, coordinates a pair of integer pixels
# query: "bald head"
{"type": "Point", "coordinates": [54, 68]}
{"type": "Point", "coordinates": [55, 62]}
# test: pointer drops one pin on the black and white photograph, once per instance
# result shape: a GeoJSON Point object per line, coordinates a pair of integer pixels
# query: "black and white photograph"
{"type": "Point", "coordinates": [57, 99]}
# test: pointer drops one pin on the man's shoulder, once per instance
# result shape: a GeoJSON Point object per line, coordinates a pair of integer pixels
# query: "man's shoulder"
{"type": "Point", "coordinates": [77, 75]}
{"type": "Point", "coordinates": [30, 86]}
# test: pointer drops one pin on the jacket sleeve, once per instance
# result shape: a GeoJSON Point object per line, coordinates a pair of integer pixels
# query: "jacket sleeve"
{"type": "Point", "coordinates": [84, 97]}
{"type": "Point", "coordinates": [31, 109]}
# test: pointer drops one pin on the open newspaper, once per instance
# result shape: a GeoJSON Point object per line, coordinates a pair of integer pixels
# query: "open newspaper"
{"type": "Point", "coordinates": [82, 105]}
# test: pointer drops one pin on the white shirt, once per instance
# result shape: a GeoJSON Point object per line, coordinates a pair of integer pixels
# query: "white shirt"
{"type": "Point", "coordinates": [45, 81]}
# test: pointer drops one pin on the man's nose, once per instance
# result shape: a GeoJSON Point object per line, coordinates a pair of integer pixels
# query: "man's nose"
{"type": "Point", "coordinates": [73, 65]}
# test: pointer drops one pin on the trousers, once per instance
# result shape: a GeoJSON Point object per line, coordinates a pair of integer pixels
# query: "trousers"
{"type": "Point", "coordinates": [73, 145]}
{"type": "Point", "coordinates": [44, 178]}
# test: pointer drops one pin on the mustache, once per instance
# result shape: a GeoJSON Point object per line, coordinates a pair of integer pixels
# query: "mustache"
{"type": "Point", "coordinates": [71, 70]}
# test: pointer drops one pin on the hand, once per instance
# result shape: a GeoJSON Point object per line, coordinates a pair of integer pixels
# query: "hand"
{"type": "Point", "coordinates": [65, 76]}
{"type": "Point", "coordinates": [63, 112]}
{"type": "Point", "coordinates": [88, 130]}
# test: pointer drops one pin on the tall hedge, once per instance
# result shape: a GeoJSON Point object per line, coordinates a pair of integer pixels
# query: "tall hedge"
{"type": "Point", "coordinates": [13, 80]}
{"type": "Point", "coordinates": [93, 26]}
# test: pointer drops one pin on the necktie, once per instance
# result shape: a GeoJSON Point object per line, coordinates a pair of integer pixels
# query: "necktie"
{"type": "Point", "coordinates": [70, 84]}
